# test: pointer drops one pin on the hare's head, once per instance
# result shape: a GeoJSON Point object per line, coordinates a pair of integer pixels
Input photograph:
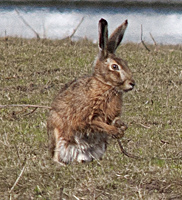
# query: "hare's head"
{"type": "Point", "coordinates": [110, 69]}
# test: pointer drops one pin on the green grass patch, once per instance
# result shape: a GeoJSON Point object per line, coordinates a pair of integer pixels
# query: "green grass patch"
{"type": "Point", "coordinates": [32, 72]}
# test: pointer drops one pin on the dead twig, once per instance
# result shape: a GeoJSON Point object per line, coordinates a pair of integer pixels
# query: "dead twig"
{"type": "Point", "coordinates": [61, 193]}
{"type": "Point", "coordinates": [155, 43]}
{"type": "Point", "coordinates": [31, 111]}
{"type": "Point", "coordinates": [144, 126]}
{"type": "Point", "coordinates": [125, 152]}
{"type": "Point", "coordinates": [142, 40]}
{"type": "Point", "coordinates": [20, 175]}
{"type": "Point", "coordinates": [74, 30]}
{"type": "Point", "coordinates": [145, 158]}
{"type": "Point", "coordinates": [27, 24]}
{"type": "Point", "coordinates": [24, 105]}
{"type": "Point", "coordinates": [3, 143]}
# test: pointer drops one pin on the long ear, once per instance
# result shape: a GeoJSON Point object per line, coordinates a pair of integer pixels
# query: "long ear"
{"type": "Point", "coordinates": [103, 38]}
{"type": "Point", "coordinates": [116, 37]}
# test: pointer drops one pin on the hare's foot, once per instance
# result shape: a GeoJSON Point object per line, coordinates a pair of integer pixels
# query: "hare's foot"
{"type": "Point", "coordinates": [121, 127]}
{"type": "Point", "coordinates": [119, 124]}
{"type": "Point", "coordinates": [119, 135]}
{"type": "Point", "coordinates": [81, 151]}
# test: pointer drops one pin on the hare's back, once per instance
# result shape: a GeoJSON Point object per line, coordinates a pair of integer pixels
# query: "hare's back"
{"type": "Point", "coordinates": [74, 98]}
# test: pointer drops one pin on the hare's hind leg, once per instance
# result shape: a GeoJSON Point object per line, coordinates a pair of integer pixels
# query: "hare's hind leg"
{"type": "Point", "coordinates": [67, 152]}
{"type": "Point", "coordinates": [99, 150]}
{"type": "Point", "coordinates": [99, 145]}
{"type": "Point", "coordinates": [51, 138]}
{"type": "Point", "coordinates": [56, 150]}
{"type": "Point", "coordinates": [91, 147]}
{"type": "Point", "coordinates": [80, 149]}
{"type": "Point", "coordinates": [84, 150]}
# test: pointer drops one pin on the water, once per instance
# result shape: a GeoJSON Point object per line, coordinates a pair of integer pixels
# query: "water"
{"type": "Point", "coordinates": [57, 22]}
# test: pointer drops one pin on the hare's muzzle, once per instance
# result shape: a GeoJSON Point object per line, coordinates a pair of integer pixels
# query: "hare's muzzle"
{"type": "Point", "coordinates": [132, 84]}
{"type": "Point", "coordinates": [129, 85]}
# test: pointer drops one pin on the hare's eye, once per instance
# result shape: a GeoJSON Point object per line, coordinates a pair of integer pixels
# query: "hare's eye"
{"type": "Point", "coordinates": [115, 67]}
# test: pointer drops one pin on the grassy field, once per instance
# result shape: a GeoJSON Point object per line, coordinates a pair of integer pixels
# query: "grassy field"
{"type": "Point", "coordinates": [32, 72]}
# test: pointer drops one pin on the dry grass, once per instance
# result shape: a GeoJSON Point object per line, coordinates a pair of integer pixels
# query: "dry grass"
{"type": "Point", "coordinates": [31, 72]}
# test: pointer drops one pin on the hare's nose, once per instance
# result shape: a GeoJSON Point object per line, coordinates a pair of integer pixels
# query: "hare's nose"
{"type": "Point", "coordinates": [132, 83]}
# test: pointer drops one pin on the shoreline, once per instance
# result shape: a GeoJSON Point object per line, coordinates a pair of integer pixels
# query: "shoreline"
{"type": "Point", "coordinates": [92, 3]}
{"type": "Point", "coordinates": [7, 39]}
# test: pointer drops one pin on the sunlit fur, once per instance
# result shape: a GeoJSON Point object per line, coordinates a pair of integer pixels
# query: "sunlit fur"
{"type": "Point", "coordinates": [87, 111]}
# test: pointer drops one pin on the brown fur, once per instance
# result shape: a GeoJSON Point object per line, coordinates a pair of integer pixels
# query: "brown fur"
{"type": "Point", "coordinates": [91, 104]}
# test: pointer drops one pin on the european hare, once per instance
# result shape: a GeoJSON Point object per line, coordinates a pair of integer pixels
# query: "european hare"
{"type": "Point", "coordinates": [87, 111]}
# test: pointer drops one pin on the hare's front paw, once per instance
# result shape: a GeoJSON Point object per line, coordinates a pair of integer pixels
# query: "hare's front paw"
{"type": "Point", "coordinates": [119, 124]}
{"type": "Point", "coordinates": [119, 134]}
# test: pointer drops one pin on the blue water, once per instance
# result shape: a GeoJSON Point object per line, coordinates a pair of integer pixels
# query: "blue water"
{"type": "Point", "coordinates": [57, 22]}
